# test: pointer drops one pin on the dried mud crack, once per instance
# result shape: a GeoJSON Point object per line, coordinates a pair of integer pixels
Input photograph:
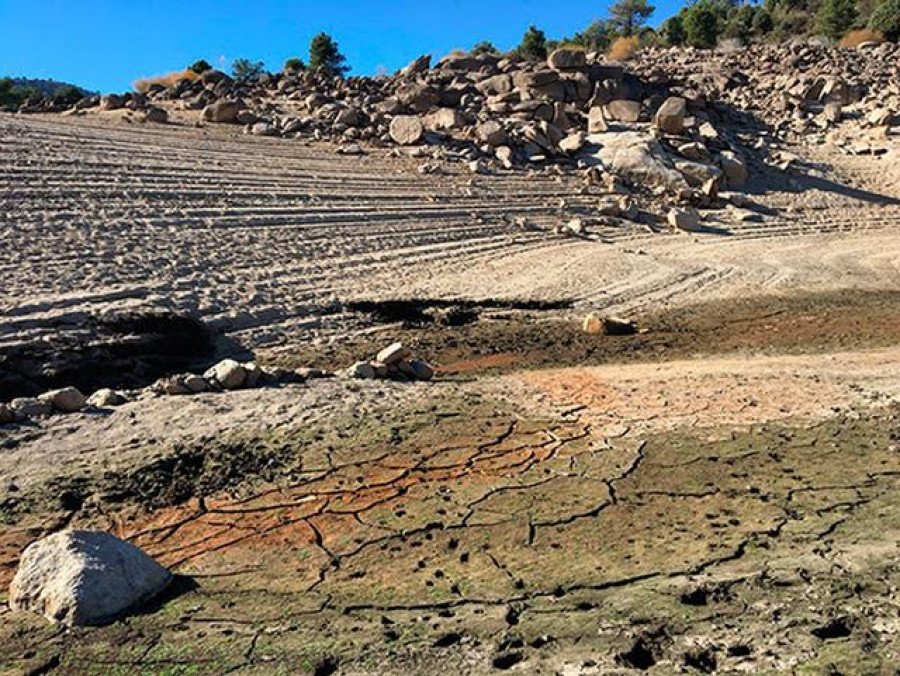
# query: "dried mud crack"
{"type": "Point", "coordinates": [497, 525]}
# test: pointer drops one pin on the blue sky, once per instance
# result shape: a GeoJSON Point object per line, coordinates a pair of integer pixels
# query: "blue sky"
{"type": "Point", "coordinates": [105, 45]}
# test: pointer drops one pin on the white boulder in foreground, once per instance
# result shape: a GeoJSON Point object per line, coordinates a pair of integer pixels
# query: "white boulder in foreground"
{"type": "Point", "coordinates": [81, 577]}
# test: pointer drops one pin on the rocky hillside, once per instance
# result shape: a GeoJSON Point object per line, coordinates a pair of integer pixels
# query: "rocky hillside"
{"type": "Point", "coordinates": [668, 131]}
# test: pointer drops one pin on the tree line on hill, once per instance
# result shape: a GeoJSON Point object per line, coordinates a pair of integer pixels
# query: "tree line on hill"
{"type": "Point", "coordinates": [701, 23]}
{"type": "Point", "coordinates": [707, 23]}
{"type": "Point", "coordinates": [15, 91]}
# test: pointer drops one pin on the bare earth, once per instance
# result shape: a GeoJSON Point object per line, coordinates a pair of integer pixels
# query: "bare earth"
{"type": "Point", "coordinates": [717, 495]}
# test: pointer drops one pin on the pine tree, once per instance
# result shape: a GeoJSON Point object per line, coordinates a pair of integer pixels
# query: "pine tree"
{"type": "Point", "coordinates": [293, 65]}
{"type": "Point", "coordinates": [534, 45]}
{"type": "Point", "coordinates": [835, 18]}
{"type": "Point", "coordinates": [244, 69]}
{"type": "Point", "coordinates": [629, 15]}
{"type": "Point", "coordinates": [701, 25]}
{"type": "Point", "coordinates": [886, 19]}
{"type": "Point", "coordinates": [325, 56]}
{"type": "Point", "coordinates": [672, 30]}
{"type": "Point", "coordinates": [200, 67]}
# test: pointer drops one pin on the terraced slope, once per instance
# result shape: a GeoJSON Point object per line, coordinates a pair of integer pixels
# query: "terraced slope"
{"type": "Point", "coordinates": [246, 232]}
{"type": "Point", "coordinates": [266, 238]}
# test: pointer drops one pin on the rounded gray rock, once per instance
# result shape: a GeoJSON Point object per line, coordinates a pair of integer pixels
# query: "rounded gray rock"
{"type": "Point", "coordinates": [407, 130]}
{"type": "Point", "coordinates": [84, 578]}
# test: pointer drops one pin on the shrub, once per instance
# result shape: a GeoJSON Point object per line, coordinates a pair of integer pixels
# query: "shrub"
{"type": "Point", "coordinates": [762, 22]}
{"type": "Point", "coordinates": [623, 48]}
{"type": "Point", "coordinates": [886, 19]}
{"type": "Point", "coordinates": [739, 23]}
{"type": "Point", "coordinates": [244, 69]}
{"type": "Point", "coordinates": [701, 25]}
{"type": "Point", "coordinates": [11, 95]}
{"type": "Point", "coordinates": [67, 94]}
{"type": "Point", "coordinates": [325, 56]}
{"type": "Point", "coordinates": [597, 37]}
{"type": "Point", "coordinates": [534, 45]}
{"type": "Point", "coordinates": [199, 67]}
{"type": "Point", "coordinates": [167, 80]}
{"type": "Point", "coordinates": [484, 47]}
{"type": "Point", "coordinates": [835, 18]}
{"type": "Point", "coordinates": [790, 18]}
{"type": "Point", "coordinates": [672, 30]}
{"type": "Point", "coordinates": [294, 65]}
{"type": "Point", "coordinates": [857, 37]}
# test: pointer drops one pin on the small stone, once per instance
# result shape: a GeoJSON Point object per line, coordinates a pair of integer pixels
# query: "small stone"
{"type": "Point", "coordinates": [592, 324]}
{"type": "Point", "coordinates": [263, 129]}
{"type": "Point", "coordinates": [222, 112]}
{"type": "Point", "coordinates": [254, 374]}
{"type": "Point", "coordinates": [65, 400]}
{"type": "Point", "coordinates": [228, 373]}
{"type": "Point", "coordinates": [708, 131]}
{"type": "Point", "coordinates": [361, 370]}
{"type": "Point", "coordinates": [421, 370]}
{"type": "Point", "coordinates": [684, 219]}
{"type": "Point", "coordinates": [6, 415]}
{"type": "Point", "coordinates": [173, 385]}
{"type": "Point", "coordinates": [110, 102]}
{"type": "Point", "coordinates": [623, 110]}
{"type": "Point", "coordinates": [393, 353]}
{"type": "Point", "coordinates": [597, 121]}
{"type": "Point", "coordinates": [196, 384]}
{"type": "Point", "coordinates": [734, 168]}
{"type": "Point", "coordinates": [572, 143]}
{"type": "Point", "coordinates": [106, 397]}
{"type": "Point", "coordinates": [504, 155]}
{"type": "Point", "coordinates": [31, 407]}
{"type": "Point", "coordinates": [492, 134]}
{"type": "Point", "coordinates": [156, 115]}
{"type": "Point", "coordinates": [575, 226]}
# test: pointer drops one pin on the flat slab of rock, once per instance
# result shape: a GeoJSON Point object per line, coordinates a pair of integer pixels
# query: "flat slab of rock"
{"type": "Point", "coordinates": [393, 353]}
{"type": "Point", "coordinates": [81, 577]}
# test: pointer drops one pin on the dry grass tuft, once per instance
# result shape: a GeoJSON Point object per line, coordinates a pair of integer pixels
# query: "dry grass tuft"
{"type": "Point", "coordinates": [859, 36]}
{"type": "Point", "coordinates": [623, 49]}
{"type": "Point", "coordinates": [166, 80]}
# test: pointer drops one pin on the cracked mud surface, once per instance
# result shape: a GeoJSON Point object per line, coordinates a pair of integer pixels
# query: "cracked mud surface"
{"type": "Point", "coordinates": [500, 539]}
{"type": "Point", "coordinates": [727, 514]}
